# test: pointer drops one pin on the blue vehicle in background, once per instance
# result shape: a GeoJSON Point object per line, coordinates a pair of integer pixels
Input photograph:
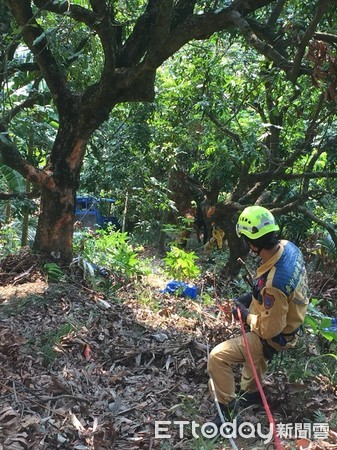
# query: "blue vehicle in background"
{"type": "Point", "coordinates": [94, 212]}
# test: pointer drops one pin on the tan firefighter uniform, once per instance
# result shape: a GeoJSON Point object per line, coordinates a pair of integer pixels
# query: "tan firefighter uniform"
{"type": "Point", "coordinates": [280, 299]}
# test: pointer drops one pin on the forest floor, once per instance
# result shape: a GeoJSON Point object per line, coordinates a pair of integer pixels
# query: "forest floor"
{"type": "Point", "coordinates": [86, 371]}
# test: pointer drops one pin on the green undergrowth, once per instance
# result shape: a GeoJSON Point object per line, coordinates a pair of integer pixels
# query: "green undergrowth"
{"type": "Point", "coordinates": [51, 339]}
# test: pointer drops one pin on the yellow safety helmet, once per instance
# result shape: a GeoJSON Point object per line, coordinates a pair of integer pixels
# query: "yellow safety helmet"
{"type": "Point", "coordinates": [255, 221]}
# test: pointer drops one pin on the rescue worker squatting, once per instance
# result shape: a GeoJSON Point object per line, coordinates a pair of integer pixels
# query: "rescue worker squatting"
{"type": "Point", "coordinates": [274, 312]}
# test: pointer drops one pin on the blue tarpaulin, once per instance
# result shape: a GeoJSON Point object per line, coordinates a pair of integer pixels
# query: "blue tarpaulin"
{"type": "Point", "coordinates": [181, 288]}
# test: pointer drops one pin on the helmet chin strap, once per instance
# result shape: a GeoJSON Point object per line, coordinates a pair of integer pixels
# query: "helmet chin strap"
{"type": "Point", "coordinates": [254, 254]}
{"type": "Point", "coordinates": [257, 251]}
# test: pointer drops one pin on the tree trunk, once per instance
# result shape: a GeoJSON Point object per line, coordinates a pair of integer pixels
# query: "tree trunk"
{"type": "Point", "coordinates": [125, 211]}
{"type": "Point", "coordinates": [225, 215]}
{"type": "Point", "coordinates": [25, 221]}
{"type": "Point", "coordinates": [54, 235]}
{"type": "Point", "coordinates": [8, 212]}
{"type": "Point", "coordinates": [237, 249]}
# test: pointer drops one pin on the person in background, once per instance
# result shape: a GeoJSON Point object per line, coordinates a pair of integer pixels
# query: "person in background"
{"type": "Point", "coordinates": [274, 312]}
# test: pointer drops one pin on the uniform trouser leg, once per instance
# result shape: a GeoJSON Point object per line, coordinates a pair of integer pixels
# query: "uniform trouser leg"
{"type": "Point", "coordinates": [225, 356]}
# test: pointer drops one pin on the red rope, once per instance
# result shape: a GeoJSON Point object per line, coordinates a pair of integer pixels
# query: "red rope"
{"type": "Point", "coordinates": [264, 400]}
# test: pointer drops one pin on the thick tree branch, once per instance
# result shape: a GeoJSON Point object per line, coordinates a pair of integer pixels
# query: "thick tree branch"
{"type": "Point", "coordinates": [135, 46]}
{"type": "Point", "coordinates": [322, 7]}
{"type": "Point", "coordinates": [202, 26]}
{"type": "Point", "coordinates": [36, 40]}
{"type": "Point", "coordinates": [255, 192]}
{"type": "Point", "coordinates": [326, 37]}
{"type": "Point", "coordinates": [276, 13]}
{"type": "Point", "coordinates": [33, 98]}
{"type": "Point", "coordinates": [292, 176]}
{"type": "Point", "coordinates": [261, 180]}
{"type": "Point", "coordinates": [20, 67]}
{"type": "Point", "coordinates": [11, 156]}
{"type": "Point", "coordinates": [76, 12]}
{"type": "Point", "coordinates": [314, 121]}
{"type": "Point", "coordinates": [290, 204]}
{"type": "Point", "coordinates": [248, 6]}
{"type": "Point", "coordinates": [311, 165]}
{"type": "Point", "coordinates": [319, 221]}
{"type": "Point", "coordinates": [299, 198]}
{"type": "Point", "coordinates": [182, 9]}
{"type": "Point", "coordinates": [306, 147]}
{"type": "Point", "coordinates": [262, 47]}
{"type": "Point", "coordinates": [267, 34]}
{"type": "Point", "coordinates": [19, 195]}
{"type": "Point", "coordinates": [226, 131]}
{"type": "Point", "coordinates": [106, 32]}
{"type": "Point", "coordinates": [161, 27]}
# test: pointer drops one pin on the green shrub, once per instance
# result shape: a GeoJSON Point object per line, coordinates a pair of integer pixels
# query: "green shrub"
{"type": "Point", "coordinates": [181, 265]}
{"type": "Point", "coordinates": [9, 240]}
{"type": "Point", "coordinates": [110, 249]}
{"type": "Point", "coordinates": [318, 322]}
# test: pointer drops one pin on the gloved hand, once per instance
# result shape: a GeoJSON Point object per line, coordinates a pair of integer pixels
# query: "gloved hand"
{"type": "Point", "coordinates": [244, 311]}
{"type": "Point", "coordinates": [245, 299]}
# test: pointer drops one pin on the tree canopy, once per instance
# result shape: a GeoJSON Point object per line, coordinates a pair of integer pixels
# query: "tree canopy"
{"type": "Point", "coordinates": [66, 65]}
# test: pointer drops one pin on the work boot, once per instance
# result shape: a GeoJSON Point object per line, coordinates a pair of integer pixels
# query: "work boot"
{"type": "Point", "coordinates": [229, 412]}
{"type": "Point", "coordinates": [250, 398]}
